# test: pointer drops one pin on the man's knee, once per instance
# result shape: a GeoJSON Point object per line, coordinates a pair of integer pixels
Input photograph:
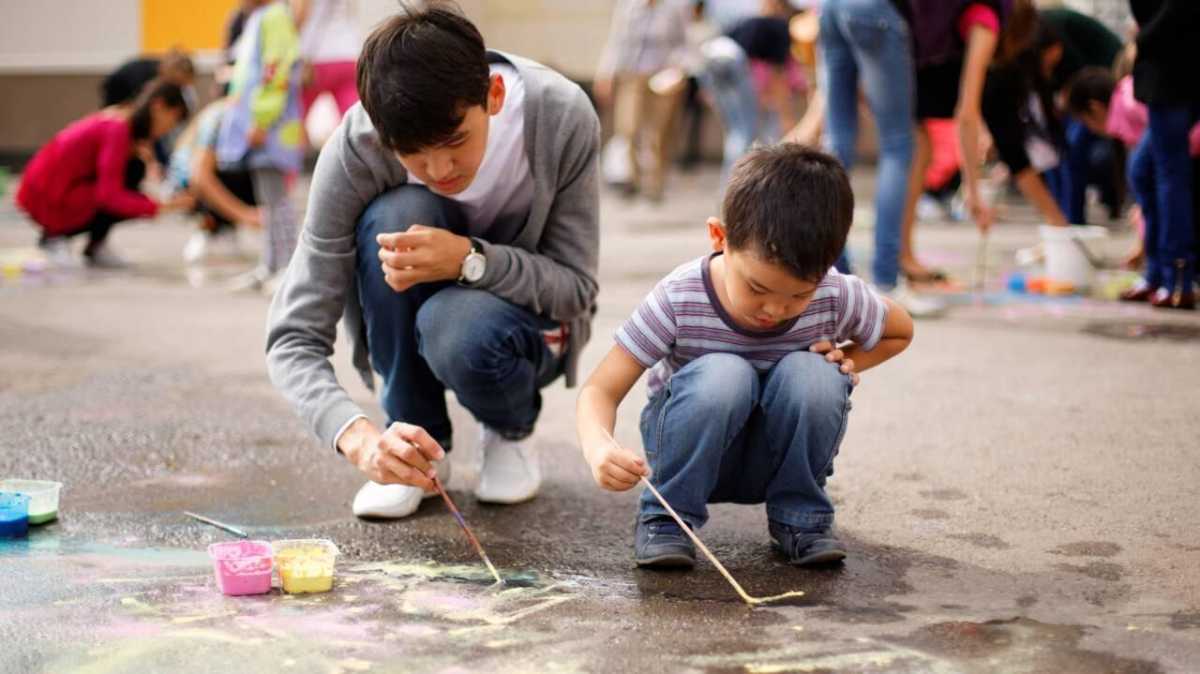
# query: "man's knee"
{"type": "Point", "coordinates": [464, 331]}
{"type": "Point", "coordinates": [402, 207]}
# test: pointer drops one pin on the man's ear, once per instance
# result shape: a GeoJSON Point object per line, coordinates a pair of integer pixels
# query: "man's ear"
{"type": "Point", "coordinates": [716, 233]}
{"type": "Point", "coordinates": [496, 94]}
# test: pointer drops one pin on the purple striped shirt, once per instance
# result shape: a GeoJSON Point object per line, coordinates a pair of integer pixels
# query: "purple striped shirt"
{"type": "Point", "coordinates": [681, 320]}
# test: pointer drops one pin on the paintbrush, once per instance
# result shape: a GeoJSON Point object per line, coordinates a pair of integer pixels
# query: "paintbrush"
{"type": "Point", "coordinates": [749, 599]}
{"type": "Point", "coordinates": [220, 525]}
{"type": "Point", "coordinates": [467, 530]}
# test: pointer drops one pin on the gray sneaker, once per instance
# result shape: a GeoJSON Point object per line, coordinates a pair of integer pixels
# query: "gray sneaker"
{"type": "Point", "coordinates": [659, 543]}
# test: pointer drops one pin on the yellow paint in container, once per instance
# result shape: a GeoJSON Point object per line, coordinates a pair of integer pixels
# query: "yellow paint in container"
{"type": "Point", "coordinates": [305, 565]}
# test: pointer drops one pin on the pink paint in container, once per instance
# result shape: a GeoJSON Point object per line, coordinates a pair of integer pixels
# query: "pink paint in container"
{"type": "Point", "coordinates": [242, 567]}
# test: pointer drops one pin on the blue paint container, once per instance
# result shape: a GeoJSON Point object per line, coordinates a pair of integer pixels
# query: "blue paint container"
{"type": "Point", "coordinates": [14, 515]}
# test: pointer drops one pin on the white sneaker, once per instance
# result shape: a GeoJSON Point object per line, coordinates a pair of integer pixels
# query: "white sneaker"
{"type": "Point", "coordinates": [251, 281]}
{"type": "Point", "coordinates": [225, 245]}
{"type": "Point", "coordinates": [58, 253]}
{"type": "Point", "coordinates": [510, 471]}
{"type": "Point", "coordinates": [103, 257]}
{"type": "Point", "coordinates": [393, 501]}
{"type": "Point", "coordinates": [195, 250]}
{"type": "Point", "coordinates": [916, 304]}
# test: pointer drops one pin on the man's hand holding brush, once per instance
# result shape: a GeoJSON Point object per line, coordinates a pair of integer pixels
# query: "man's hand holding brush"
{"type": "Point", "coordinates": [403, 454]}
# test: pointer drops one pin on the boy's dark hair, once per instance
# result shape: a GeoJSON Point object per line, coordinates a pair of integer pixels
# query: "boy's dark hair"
{"type": "Point", "coordinates": [1090, 84]}
{"type": "Point", "coordinates": [169, 93]}
{"type": "Point", "coordinates": [418, 74]}
{"type": "Point", "coordinates": [790, 204]}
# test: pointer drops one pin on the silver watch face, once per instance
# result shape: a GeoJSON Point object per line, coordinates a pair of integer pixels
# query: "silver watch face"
{"type": "Point", "coordinates": [473, 267]}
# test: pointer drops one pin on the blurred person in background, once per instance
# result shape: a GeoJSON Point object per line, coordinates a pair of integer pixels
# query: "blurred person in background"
{"type": "Point", "coordinates": [641, 73]}
{"type": "Point", "coordinates": [329, 46]}
{"type": "Point", "coordinates": [954, 43]}
{"type": "Point", "coordinates": [224, 196]}
{"type": "Point", "coordinates": [867, 43]}
{"type": "Point", "coordinates": [1165, 79]}
{"type": "Point", "coordinates": [88, 177]}
{"type": "Point", "coordinates": [260, 130]}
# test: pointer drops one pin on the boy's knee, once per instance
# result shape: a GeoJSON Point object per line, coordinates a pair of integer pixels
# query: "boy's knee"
{"type": "Point", "coordinates": [719, 380]}
{"type": "Point", "coordinates": [811, 378]}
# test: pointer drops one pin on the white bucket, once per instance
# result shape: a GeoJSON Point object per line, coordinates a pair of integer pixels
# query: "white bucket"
{"type": "Point", "coordinates": [1067, 255]}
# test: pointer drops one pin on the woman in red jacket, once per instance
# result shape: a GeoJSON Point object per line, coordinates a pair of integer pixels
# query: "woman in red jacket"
{"type": "Point", "coordinates": [86, 178]}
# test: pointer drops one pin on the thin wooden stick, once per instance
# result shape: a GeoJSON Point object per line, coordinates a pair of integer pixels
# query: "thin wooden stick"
{"type": "Point", "coordinates": [467, 530]}
{"type": "Point", "coordinates": [220, 525]}
{"type": "Point", "coordinates": [751, 600]}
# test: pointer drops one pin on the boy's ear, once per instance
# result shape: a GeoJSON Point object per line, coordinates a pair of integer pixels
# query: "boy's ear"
{"type": "Point", "coordinates": [496, 94]}
{"type": "Point", "coordinates": [716, 233]}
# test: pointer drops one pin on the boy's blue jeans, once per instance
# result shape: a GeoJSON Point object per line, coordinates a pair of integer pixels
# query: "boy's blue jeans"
{"type": "Point", "coordinates": [437, 336]}
{"type": "Point", "coordinates": [867, 43]}
{"type": "Point", "coordinates": [721, 432]}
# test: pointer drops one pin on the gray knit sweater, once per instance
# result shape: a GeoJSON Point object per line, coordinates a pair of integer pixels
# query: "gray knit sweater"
{"type": "Point", "coordinates": [548, 266]}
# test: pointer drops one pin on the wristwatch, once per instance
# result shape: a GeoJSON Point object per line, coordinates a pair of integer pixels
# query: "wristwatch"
{"type": "Point", "coordinates": [473, 265]}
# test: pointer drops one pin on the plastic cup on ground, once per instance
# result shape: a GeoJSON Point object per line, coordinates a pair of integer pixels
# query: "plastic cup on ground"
{"type": "Point", "coordinates": [242, 567]}
{"type": "Point", "coordinates": [43, 497]}
{"type": "Point", "coordinates": [14, 514]}
{"type": "Point", "coordinates": [305, 565]}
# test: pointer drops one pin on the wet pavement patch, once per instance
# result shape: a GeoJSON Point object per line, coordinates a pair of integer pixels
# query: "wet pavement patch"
{"type": "Point", "coordinates": [1106, 571]}
{"type": "Point", "coordinates": [1023, 645]}
{"type": "Point", "coordinates": [1088, 549]}
{"type": "Point", "coordinates": [982, 540]}
{"type": "Point", "coordinates": [1176, 332]}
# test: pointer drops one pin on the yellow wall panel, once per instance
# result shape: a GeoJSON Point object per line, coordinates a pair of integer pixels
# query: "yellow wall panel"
{"type": "Point", "coordinates": [189, 24]}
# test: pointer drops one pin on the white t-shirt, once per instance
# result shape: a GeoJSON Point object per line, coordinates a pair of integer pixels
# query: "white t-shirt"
{"type": "Point", "coordinates": [330, 34]}
{"type": "Point", "coordinates": [503, 186]}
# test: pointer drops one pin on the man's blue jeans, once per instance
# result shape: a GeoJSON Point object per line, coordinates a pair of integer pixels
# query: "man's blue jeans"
{"type": "Point", "coordinates": [721, 432]}
{"type": "Point", "coordinates": [1142, 182]}
{"type": "Point", "coordinates": [867, 42]}
{"type": "Point", "coordinates": [437, 336]}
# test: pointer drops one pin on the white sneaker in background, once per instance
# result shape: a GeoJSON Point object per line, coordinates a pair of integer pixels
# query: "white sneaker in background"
{"type": "Point", "coordinates": [58, 254]}
{"type": "Point", "coordinates": [916, 304]}
{"type": "Point", "coordinates": [224, 245]}
{"type": "Point", "coordinates": [195, 250]}
{"type": "Point", "coordinates": [252, 281]}
{"type": "Point", "coordinates": [510, 472]}
{"type": "Point", "coordinates": [393, 501]}
{"type": "Point", "coordinates": [103, 257]}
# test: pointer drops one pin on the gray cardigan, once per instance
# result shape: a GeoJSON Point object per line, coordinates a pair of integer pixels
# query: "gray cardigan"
{"type": "Point", "coordinates": [548, 266]}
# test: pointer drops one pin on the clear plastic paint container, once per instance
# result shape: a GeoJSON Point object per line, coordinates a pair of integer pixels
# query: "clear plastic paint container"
{"type": "Point", "coordinates": [43, 497]}
{"type": "Point", "coordinates": [305, 565]}
{"type": "Point", "coordinates": [14, 515]}
{"type": "Point", "coordinates": [242, 567]}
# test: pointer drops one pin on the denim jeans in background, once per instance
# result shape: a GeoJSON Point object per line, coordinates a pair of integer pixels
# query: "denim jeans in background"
{"type": "Point", "coordinates": [726, 75]}
{"type": "Point", "coordinates": [1088, 160]}
{"type": "Point", "coordinates": [1168, 134]}
{"type": "Point", "coordinates": [721, 432]}
{"type": "Point", "coordinates": [866, 43]}
{"type": "Point", "coordinates": [1142, 183]}
{"type": "Point", "coordinates": [437, 336]}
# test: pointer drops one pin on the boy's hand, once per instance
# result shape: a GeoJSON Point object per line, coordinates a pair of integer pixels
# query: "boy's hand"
{"type": "Point", "coordinates": [616, 468]}
{"type": "Point", "coordinates": [836, 355]}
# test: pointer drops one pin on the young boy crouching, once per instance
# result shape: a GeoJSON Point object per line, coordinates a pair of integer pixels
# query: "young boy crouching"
{"type": "Point", "coordinates": [753, 352]}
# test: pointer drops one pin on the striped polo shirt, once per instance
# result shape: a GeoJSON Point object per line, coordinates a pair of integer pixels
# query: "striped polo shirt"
{"type": "Point", "coordinates": [682, 319]}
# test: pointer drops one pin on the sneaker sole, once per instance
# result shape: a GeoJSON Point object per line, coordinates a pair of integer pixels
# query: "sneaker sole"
{"type": "Point", "coordinates": [672, 560]}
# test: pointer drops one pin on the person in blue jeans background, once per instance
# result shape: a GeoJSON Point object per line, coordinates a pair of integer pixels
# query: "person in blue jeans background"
{"type": "Point", "coordinates": [1164, 78]}
{"type": "Point", "coordinates": [867, 43]}
{"type": "Point", "coordinates": [753, 351]}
